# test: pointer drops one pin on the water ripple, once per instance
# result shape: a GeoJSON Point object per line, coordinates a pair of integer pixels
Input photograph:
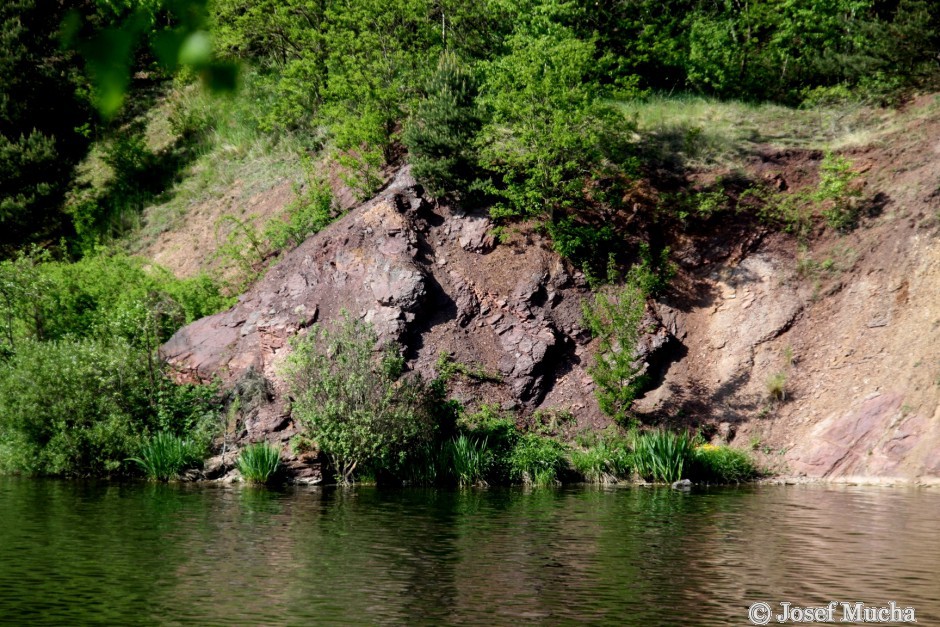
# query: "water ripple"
{"type": "Point", "coordinates": [84, 553]}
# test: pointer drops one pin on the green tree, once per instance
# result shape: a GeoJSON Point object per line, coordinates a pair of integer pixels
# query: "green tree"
{"type": "Point", "coordinates": [101, 296]}
{"type": "Point", "coordinates": [545, 121]}
{"type": "Point", "coordinates": [40, 109]}
{"type": "Point", "coordinates": [614, 318]}
{"type": "Point", "coordinates": [82, 407]}
{"type": "Point", "coordinates": [285, 39]}
{"type": "Point", "coordinates": [375, 61]}
{"type": "Point", "coordinates": [441, 132]}
{"type": "Point", "coordinates": [73, 408]}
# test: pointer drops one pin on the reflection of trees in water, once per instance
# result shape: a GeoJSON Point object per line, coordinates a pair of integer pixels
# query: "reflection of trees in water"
{"type": "Point", "coordinates": [450, 556]}
{"type": "Point", "coordinates": [242, 559]}
{"type": "Point", "coordinates": [74, 552]}
{"type": "Point", "coordinates": [538, 555]}
{"type": "Point", "coordinates": [378, 555]}
{"type": "Point", "coordinates": [580, 552]}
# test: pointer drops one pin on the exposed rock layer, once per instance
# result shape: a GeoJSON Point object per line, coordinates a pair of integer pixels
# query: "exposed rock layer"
{"type": "Point", "coordinates": [425, 277]}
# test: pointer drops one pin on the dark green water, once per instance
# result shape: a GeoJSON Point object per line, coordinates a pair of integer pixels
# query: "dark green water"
{"type": "Point", "coordinates": [79, 553]}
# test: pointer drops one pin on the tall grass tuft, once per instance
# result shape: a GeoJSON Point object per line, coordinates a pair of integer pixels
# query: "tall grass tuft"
{"type": "Point", "coordinates": [537, 460]}
{"type": "Point", "coordinates": [259, 463]}
{"type": "Point", "coordinates": [424, 465]}
{"type": "Point", "coordinates": [165, 455]}
{"type": "Point", "coordinates": [777, 386]}
{"type": "Point", "coordinates": [469, 460]}
{"type": "Point", "coordinates": [662, 455]}
{"type": "Point", "coordinates": [722, 464]}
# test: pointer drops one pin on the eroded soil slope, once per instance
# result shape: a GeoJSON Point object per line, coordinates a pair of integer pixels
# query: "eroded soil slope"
{"type": "Point", "coordinates": [851, 323]}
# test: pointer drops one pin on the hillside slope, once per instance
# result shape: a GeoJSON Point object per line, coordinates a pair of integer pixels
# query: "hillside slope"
{"type": "Point", "coordinates": [846, 325]}
{"type": "Point", "coordinates": [850, 323]}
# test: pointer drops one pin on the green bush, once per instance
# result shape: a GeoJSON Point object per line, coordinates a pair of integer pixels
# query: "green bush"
{"type": "Point", "coordinates": [791, 211]}
{"type": "Point", "coordinates": [549, 127]}
{"type": "Point", "coordinates": [163, 456]}
{"type": "Point", "coordinates": [651, 274]}
{"type": "Point", "coordinates": [661, 455]}
{"type": "Point", "coordinates": [259, 463]}
{"type": "Point", "coordinates": [590, 247]}
{"type": "Point", "coordinates": [839, 192]}
{"type": "Point", "coordinates": [311, 211]}
{"type": "Point", "coordinates": [791, 46]}
{"type": "Point", "coordinates": [355, 403]}
{"type": "Point", "coordinates": [536, 460]}
{"type": "Point", "coordinates": [614, 319]}
{"type": "Point", "coordinates": [722, 464]}
{"type": "Point", "coordinates": [103, 295]}
{"type": "Point", "coordinates": [186, 409]}
{"type": "Point", "coordinates": [77, 408]}
{"type": "Point", "coordinates": [82, 385]}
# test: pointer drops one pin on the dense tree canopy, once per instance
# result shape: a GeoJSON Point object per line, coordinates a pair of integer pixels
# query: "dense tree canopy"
{"type": "Point", "coordinates": [41, 115]}
{"type": "Point", "coordinates": [365, 78]}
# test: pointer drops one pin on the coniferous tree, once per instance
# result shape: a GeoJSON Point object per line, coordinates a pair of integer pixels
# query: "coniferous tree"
{"type": "Point", "coordinates": [441, 133]}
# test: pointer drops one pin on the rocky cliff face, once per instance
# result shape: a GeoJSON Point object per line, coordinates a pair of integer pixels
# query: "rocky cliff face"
{"type": "Point", "coordinates": [851, 323]}
{"type": "Point", "coordinates": [426, 277]}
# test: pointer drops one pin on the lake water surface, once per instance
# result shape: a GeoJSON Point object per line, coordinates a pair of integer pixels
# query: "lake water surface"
{"type": "Point", "coordinates": [78, 553]}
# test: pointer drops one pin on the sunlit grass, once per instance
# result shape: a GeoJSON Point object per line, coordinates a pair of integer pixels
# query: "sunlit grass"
{"type": "Point", "coordinates": [706, 131]}
{"type": "Point", "coordinates": [259, 463]}
{"type": "Point", "coordinates": [722, 464]}
{"type": "Point", "coordinates": [234, 158]}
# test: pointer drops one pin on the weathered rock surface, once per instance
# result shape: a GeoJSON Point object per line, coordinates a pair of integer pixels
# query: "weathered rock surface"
{"type": "Point", "coordinates": [847, 325]}
{"type": "Point", "coordinates": [425, 277]}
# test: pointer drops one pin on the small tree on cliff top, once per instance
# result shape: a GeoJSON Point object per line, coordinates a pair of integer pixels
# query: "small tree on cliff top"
{"type": "Point", "coordinates": [440, 134]}
{"type": "Point", "coordinates": [352, 400]}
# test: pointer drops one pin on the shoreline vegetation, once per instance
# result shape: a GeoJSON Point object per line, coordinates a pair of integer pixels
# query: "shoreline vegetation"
{"type": "Point", "coordinates": [372, 425]}
{"type": "Point", "coordinates": [586, 126]}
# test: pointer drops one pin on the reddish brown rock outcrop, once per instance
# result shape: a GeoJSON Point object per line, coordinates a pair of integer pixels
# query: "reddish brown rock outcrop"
{"type": "Point", "coordinates": [424, 276]}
